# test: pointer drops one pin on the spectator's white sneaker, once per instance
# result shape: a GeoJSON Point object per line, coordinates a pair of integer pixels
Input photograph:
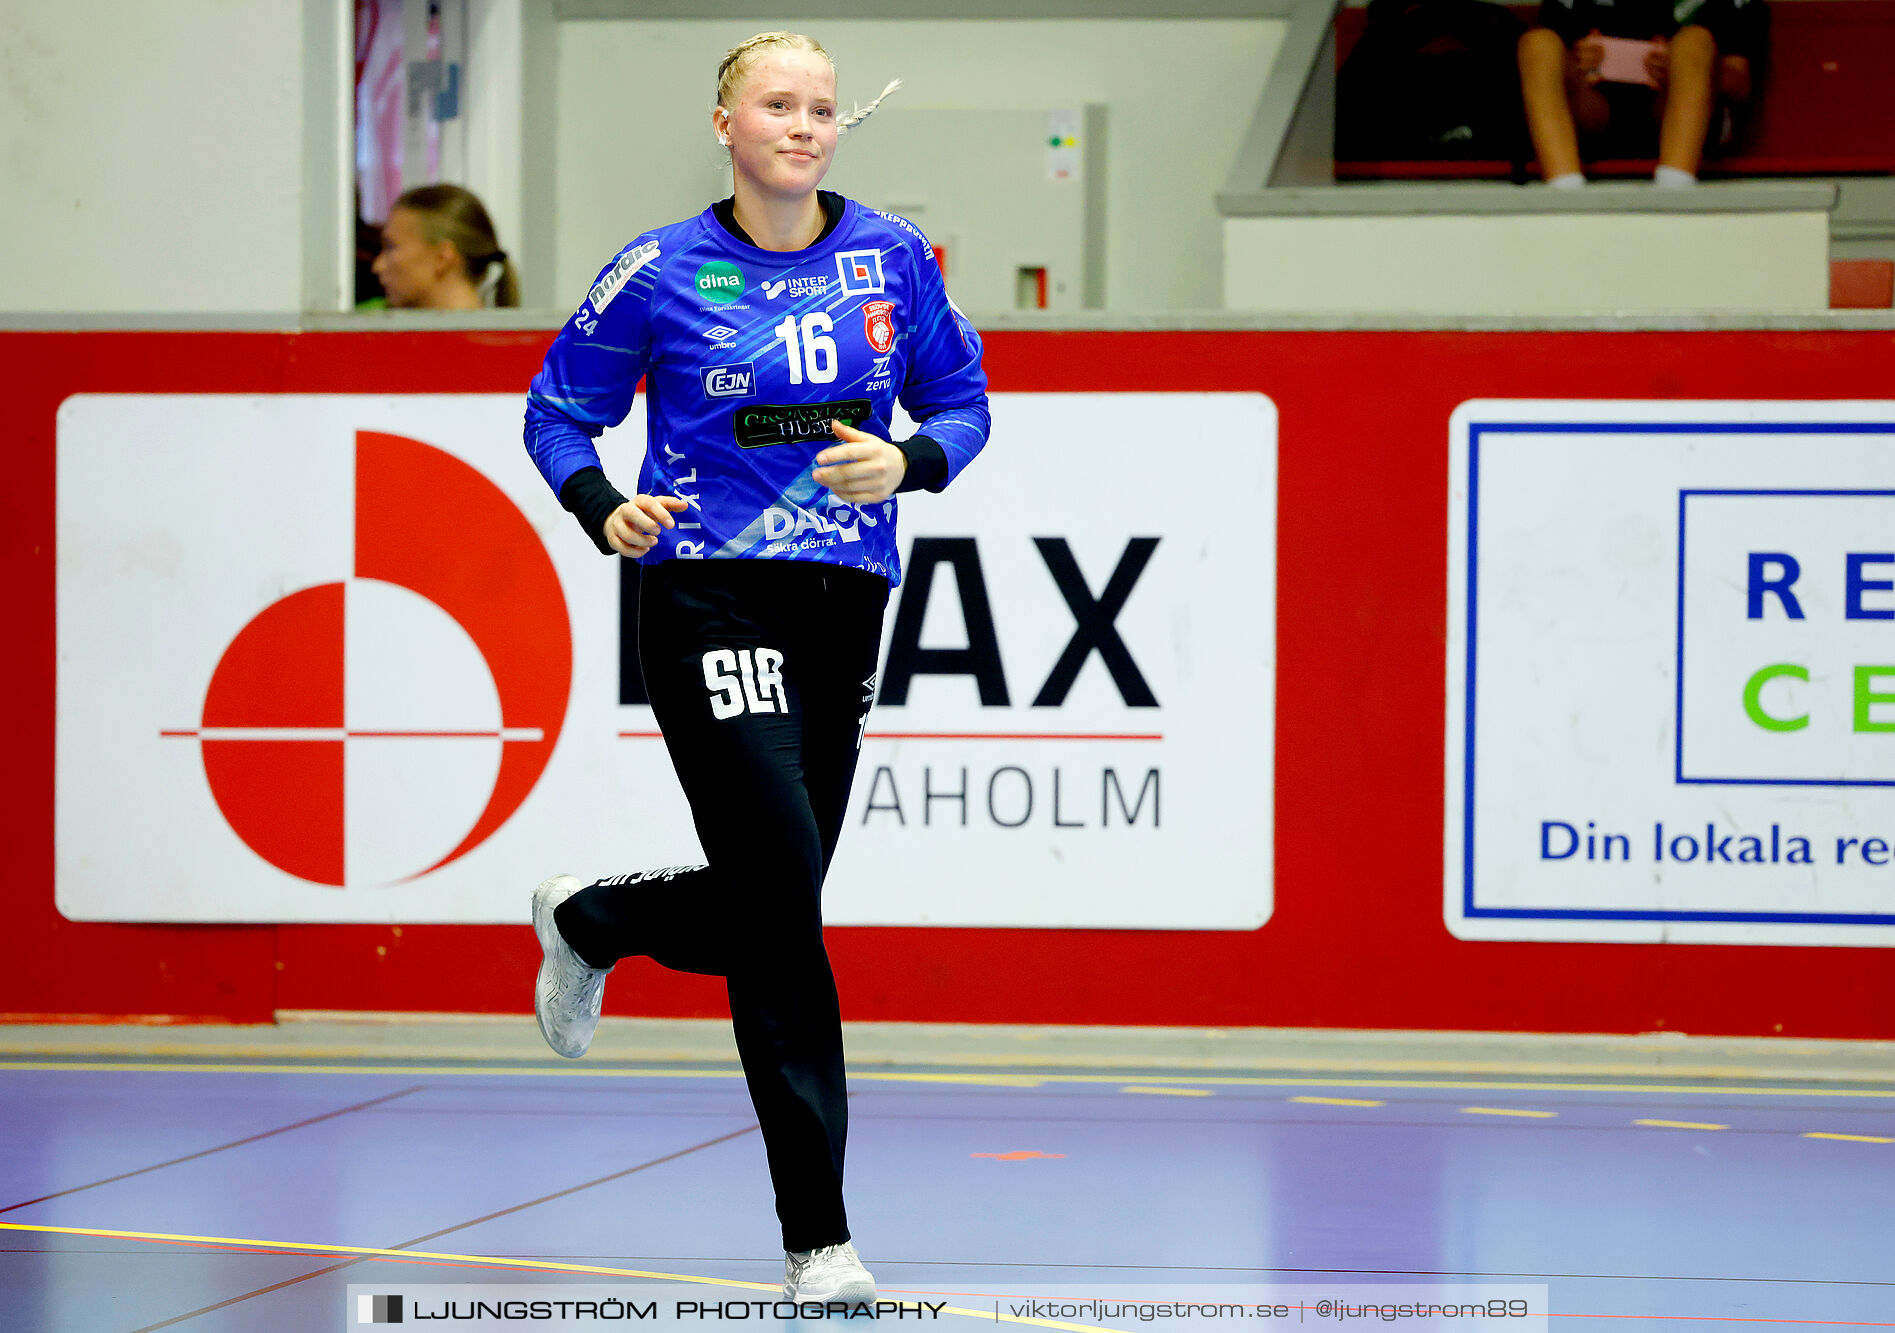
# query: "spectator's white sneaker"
{"type": "Point", "coordinates": [832, 1273]}
{"type": "Point", "coordinates": [567, 995]}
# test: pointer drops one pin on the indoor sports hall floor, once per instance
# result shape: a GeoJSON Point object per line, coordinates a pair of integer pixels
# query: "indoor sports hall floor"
{"type": "Point", "coordinates": [225, 1179]}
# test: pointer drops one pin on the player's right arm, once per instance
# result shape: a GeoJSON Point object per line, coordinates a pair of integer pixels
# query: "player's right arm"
{"type": "Point", "coordinates": [585, 386]}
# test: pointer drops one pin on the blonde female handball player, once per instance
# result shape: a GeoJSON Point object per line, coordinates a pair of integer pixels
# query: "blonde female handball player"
{"type": "Point", "coordinates": [776, 332]}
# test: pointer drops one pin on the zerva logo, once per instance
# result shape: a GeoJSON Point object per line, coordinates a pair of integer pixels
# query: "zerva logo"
{"type": "Point", "coordinates": [720, 282]}
{"type": "Point", "coordinates": [735, 381]}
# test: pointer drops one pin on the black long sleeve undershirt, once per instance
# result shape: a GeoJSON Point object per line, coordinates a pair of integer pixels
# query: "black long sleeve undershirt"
{"type": "Point", "coordinates": [591, 499]}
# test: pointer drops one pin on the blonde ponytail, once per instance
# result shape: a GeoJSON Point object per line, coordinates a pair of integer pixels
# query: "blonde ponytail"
{"type": "Point", "coordinates": [862, 113]}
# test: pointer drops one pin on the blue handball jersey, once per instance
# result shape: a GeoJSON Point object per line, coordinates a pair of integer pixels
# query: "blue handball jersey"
{"type": "Point", "coordinates": [747, 355]}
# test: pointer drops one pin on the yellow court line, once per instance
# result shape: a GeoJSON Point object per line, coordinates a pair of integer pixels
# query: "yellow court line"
{"type": "Point", "coordinates": [1678, 1124]}
{"type": "Point", "coordinates": [1004, 1060]}
{"type": "Point", "coordinates": [1507, 1110]}
{"type": "Point", "coordinates": [1849, 1138]}
{"type": "Point", "coordinates": [536, 1264]}
{"type": "Point", "coordinates": [1168, 1092]}
{"type": "Point", "coordinates": [392, 1254]}
{"type": "Point", "coordinates": [1338, 1101]}
{"type": "Point", "coordinates": [988, 1080]}
{"type": "Point", "coordinates": [1010, 1080]}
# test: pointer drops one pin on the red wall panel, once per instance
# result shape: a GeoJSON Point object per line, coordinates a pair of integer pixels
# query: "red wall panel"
{"type": "Point", "coordinates": [1357, 939]}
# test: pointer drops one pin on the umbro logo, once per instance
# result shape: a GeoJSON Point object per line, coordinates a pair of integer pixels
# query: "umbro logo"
{"type": "Point", "coordinates": [719, 332]}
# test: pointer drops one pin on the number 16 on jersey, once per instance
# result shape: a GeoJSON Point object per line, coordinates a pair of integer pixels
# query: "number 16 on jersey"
{"type": "Point", "coordinates": [810, 350]}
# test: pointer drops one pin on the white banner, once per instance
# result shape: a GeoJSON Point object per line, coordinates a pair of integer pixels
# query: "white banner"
{"type": "Point", "coordinates": [333, 658]}
{"type": "Point", "coordinates": [1671, 672]}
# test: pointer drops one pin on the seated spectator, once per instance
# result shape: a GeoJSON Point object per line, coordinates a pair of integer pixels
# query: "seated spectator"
{"type": "Point", "coordinates": [439, 252]}
{"type": "Point", "coordinates": [1665, 99]}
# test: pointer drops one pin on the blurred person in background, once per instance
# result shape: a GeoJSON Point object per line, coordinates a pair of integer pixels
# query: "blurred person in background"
{"type": "Point", "coordinates": [439, 252]}
{"type": "Point", "coordinates": [1637, 79]}
{"type": "Point", "coordinates": [368, 244]}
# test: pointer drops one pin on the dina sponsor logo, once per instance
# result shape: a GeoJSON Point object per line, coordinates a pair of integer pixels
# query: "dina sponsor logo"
{"type": "Point", "coordinates": [720, 282]}
{"type": "Point", "coordinates": [734, 381]}
{"type": "Point", "coordinates": [788, 423]}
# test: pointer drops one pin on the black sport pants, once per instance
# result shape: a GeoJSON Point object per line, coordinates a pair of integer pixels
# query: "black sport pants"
{"type": "Point", "coordinates": [760, 675]}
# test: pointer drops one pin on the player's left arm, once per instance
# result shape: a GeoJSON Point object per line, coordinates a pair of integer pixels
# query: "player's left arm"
{"type": "Point", "coordinates": [945, 391]}
{"type": "Point", "coordinates": [945, 388]}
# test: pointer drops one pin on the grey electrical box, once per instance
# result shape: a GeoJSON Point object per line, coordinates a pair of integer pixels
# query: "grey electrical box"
{"type": "Point", "coordinates": [1013, 200]}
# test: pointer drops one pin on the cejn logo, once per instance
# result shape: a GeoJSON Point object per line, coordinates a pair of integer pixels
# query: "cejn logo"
{"type": "Point", "coordinates": [308, 701]}
{"type": "Point", "coordinates": [735, 381]}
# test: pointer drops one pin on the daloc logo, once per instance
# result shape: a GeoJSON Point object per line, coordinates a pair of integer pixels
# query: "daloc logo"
{"type": "Point", "coordinates": [720, 282]}
{"type": "Point", "coordinates": [738, 381]}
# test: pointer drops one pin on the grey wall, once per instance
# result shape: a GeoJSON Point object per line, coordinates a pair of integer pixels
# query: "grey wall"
{"type": "Point", "coordinates": [634, 146]}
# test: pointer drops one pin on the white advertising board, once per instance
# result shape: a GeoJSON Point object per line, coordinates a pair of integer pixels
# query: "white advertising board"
{"type": "Point", "coordinates": [1671, 672]}
{"type": "Point", "coordinates": [343, 658]}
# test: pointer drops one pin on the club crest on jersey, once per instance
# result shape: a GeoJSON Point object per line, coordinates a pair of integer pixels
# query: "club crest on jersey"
{"type": "Point", "coordinates": [860, 271]}
{"type": "Point", "coordinates": [877, 325]}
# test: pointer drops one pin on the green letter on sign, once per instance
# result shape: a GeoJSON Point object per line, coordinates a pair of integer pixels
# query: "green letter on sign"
{"type": "Point", "coordinates": [1866, 697]}
{"type": "Point", "coordinates": [1754, 706]}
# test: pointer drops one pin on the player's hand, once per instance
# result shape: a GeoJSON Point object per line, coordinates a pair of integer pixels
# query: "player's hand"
{"type": "Point", "coordinates": [633, 527]}
{"type": "Point", "coordinates": [1658, 62]}
{"type": "Point", "coordinates": [1588, 55]}
{"type": "Point", "coordinates": [861, 470]}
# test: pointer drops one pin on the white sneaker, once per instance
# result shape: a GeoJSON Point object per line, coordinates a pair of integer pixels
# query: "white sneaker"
{"type": "Point", "coordinates": [568, 994]}
{"type": "Point", "coordinates": [832, 1273]}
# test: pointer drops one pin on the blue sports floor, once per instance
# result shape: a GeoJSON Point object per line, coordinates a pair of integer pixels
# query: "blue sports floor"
{"type": "Point", "coordinates": [235, 1196]}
